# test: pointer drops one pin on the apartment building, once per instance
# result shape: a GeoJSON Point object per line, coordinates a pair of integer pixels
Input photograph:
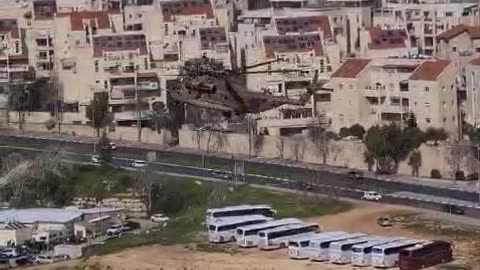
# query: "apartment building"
{"type": "Point", "coordinates": [384, 43]}
{"type": "Point", "coordinates": [424, 21]}
{"type": "Point", "coordinates": [381, 91]}
{"type": "Point", "coordinates": [472, 86]}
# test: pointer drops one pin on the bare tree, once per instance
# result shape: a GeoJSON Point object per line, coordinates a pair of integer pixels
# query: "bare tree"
{"type": "Point", "coordinates": [258, 142]}
{"type": "Point", "coordinates": [255, 139]}
{"type": "Point", "coordinates": [298, 148]}
{"type": "Point", "coordinates": [280, 147]}
{"type": "Point", "coordinates": [145, 187]}
{"type": "Point", "coordinates": [216, 140]}
{"type": "Point", "coordinates": [455, 159]}
{"type": "Point", "coordinates": [218, 195]}
{"type": "Point", "coordinates": [319, 138]}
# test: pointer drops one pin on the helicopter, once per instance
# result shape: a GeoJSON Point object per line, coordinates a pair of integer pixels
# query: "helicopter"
{"type": "Point", "coordinates": [226, 91]}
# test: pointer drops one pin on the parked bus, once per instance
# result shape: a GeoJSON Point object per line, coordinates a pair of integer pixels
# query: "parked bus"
{"type": "Point", "coordinates": [224, 229]}
{"type": "Point", "coordinates": [388, 255]}
{"type": "Point", "coordinates": [362, 253]}
{"type": "Point", "coordinates": [247, 235]}
{"type": "Point", "coordinates": [425, 255]}
{"type": "Point", "coordinates": [318, 248]}
{"type": "Point", "coordinates": [340, 252]}
{"type": "Point", "coordinates": [279, 237]}
{"type": "Point", "coordinates": [298, 247]}
{"type": "Point", "coordinates": [239, 210]}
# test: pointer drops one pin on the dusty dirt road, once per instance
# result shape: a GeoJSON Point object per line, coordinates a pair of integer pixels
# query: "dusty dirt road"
{"type": "Point", "coordinates": [360, 219]}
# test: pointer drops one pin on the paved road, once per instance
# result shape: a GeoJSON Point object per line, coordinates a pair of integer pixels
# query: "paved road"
{"type": "Point", "coordinates": [273, 182]}
{"type": "Point", "coordinates": [278, 169]}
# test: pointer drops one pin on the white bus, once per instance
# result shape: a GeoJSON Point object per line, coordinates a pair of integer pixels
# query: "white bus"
{"type": "Point", "coordinates": [279, 237]}
{"type": "Point", "coordinates": [362, 253]}
{"type": "Point", "coordinates": [247, 235]}
{"type": "Point", "coordinates": [298, 247]}
{"type": "Point", "coordinates": [318, 248]}
{"type": "Point", "coordinates": [340, 252]}
{"type": "Point", "coordinates": [387, 255]}
{"type": "Point", "coordinates": [224, 229]}
{"type": "Point", "coordinates": [239, 210]}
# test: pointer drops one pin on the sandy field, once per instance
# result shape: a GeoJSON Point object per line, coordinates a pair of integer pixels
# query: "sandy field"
{"type": "Point", "coordinates": [360, 219]}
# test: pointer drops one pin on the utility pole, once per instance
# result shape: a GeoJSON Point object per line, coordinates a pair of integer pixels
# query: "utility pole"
{"type": "Point", "coordinates": [137, 109]}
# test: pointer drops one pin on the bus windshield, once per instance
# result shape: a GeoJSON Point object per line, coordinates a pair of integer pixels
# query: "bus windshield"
{"type": "Point", "coordinates": [211, 227]}
{"type": "Point", "coordinates": [239, 231]}
{"type": "Point", "coordinates": [262, 234]}
{"type": "Point", "coordinates": [293, 244]}
{"type": "Point", "coordinates": [377, 250]}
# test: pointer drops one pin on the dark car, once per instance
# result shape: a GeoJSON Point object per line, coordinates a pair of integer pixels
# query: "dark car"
{"type": "Point", "coordinates": [304, 186]}
{"type": "Point", "coordinates": [220, 174]}
{"type": "Point", "coordinates": [453, 209]}
{"type": "Point", "coordinates": [356, 175]}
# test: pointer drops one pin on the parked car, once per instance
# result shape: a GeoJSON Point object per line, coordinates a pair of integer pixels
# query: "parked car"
{"type": "Point", "coordinates": [453, 209]}
{"type": "Point", "coordinates": [10, 252]}
{"type": "Point", "coordinates": [95, 159]}
{"type": "Point", "coordinates": [355, 175]}
{"type": "Point", "coordinates": [304, 186]}
{"type": "Point", "coordinates": [113, 146]}
{"type": "Point", "coordinates": [50, 258]}
{"type": "Point", "coordinates": [220, 174]}
{"type": "Point", "coordinates": [384, 221]}
{"type": "Point", "coordinates": [139, 163]}
{"type": "Point", "coordinates": [371, 196]}
{"type": "Point", "coordinates": [159, 218]}
{"type": "Point", "coordinates": [117, 229]}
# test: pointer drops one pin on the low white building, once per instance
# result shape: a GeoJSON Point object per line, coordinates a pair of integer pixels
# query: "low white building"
{"type": "Point", "coordinates": [14, 234]}
{"type": "Point", "coordinates": [43, 219]}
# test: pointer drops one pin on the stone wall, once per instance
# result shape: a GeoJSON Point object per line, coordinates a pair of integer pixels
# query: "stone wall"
{"type": "Point", "coordinates": [133, 206]}
{"type": "Point", "coordinates": [343, 153]}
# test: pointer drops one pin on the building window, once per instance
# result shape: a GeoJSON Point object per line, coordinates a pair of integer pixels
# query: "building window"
{"type": "Point", "coordinates": [427, 120]}
{"type": "Point", "coordinates": [454, 49]}
{"type": "Point", "coordinates": [166, 29]}
{"type": "Point", "coordinates": [448, 14]}
{"type": "Point", "coordinates": [477, 50]}
{"type": "Point", "coordinates": [427, 89]}
{"type": "Point", "coordinates": [444, 105]}
{"type": "Point", "coordinates": [444, 119]}
{"type": "Point", "coordinates": [17, 46]}
{"type": "Point", "coordinates": [443, 88]}
{"type": "Point", "coordinates": [427, 104]}
{"type": "Point", "coordinates": [105, 84]}
{"type": "Point", "coordinates": [96, 65]}
{"type": "Point", "coordinates": [453, 118]}
{"type": "Point", "coordinates": [146, 63]}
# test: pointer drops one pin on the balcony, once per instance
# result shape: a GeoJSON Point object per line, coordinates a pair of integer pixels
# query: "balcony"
{"type": "Point", "coordinates": [14, 68]}
{"type": "Point", "coordinates": [290, 122]}
{"type": "Point", "coordinates": [393, 109]}
{"type": "Point", "coordinates": [369, 92]}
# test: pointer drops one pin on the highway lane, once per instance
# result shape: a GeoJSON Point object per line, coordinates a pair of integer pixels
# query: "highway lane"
{"type": "Point", "coordinates": [333, 191]}
{"type": "Point", "coordinates": [253, 168]}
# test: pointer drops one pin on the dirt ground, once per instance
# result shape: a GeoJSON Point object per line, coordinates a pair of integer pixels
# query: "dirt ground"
{"type": "Point", "coordinates": [360, 219]}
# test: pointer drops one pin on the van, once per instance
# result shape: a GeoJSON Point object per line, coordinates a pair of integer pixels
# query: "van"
{"type": "Point", "coordinates": [371, 196]}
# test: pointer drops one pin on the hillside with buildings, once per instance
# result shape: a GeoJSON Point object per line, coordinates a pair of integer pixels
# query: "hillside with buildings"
{"type": "Point", "coordinates": [372, 63]}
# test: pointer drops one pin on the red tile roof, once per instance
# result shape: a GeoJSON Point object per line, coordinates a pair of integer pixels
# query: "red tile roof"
{"type": "Point", "coordinates": [186, 8]}
{"type": "Point", "coordinates": [386, 39]}
{"type": "Point", "coordinates": [351, 68]}
{"type": "Point", "coordinates": [429, 70]}
{"type": "Point", "coordinates": [10, 26]}
{"type": "Point", "coordinates": [210, 36]}
{"type": "Point", "coordinates": [304, 24]}
{"type": "Point", "coordinates": [99, 19]}
{"type": "Point", "coordinates": [121, 42]}
{"type": "Point", "coordinates": [292, 43]}
{"type": "Point", "coordinates": [473, 31]}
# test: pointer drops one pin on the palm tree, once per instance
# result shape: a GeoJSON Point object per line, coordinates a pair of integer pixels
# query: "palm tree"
{"type": "Point", "coordinates": [415, 161]}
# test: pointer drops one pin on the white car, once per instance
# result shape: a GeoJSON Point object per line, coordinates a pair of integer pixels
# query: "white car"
{"type": "Point", "coordinates": [371, 196]}
{"type": "Point", "coordinates": [95, 159]}
{"type": "Point", "coordinates": [113, 146]}
{"type": "Point", "coordinates": [139, 163]}
{"type": "Point", "coordinates": [10, 252]}
{"type": "Point", "coordinates": [117, 229]}
{"type": "Point", "coordinates": [159, 218]}
{"type": "Point", "coordinates": [51, 258]}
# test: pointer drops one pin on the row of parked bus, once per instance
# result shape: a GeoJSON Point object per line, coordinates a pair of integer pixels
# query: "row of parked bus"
{"type": "Point", "coordinates": [254, 226]}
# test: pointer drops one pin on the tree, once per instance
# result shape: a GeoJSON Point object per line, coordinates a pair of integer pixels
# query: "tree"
{"type": "Point", "coordinates": [415, 161]}
{"type": "Point", "coordinates": [298, 148]}
{"type": "Point", "coordinates": [344, 132]}
{"type": "Point", "coordinates": [252, 130]}
{"type": "Point", "coordinates": [145, 186]}
{"type": "Point", "coordinates": [320, 139]}
{"type": "Point", "coordinates": [369, 159]}
{"type": "Point", "coordinates": [412, 120]}
{"type": "Point", "coordinates": [98, 113]}
{"type": "Point", "coordinates": [357, 131]}
{"type": "Point", "coordinates": [196, 67]}
{"type": "Point", "coordinates": [280, 144]}
{"type": "Point", "coordinates": [456, 158]}
{"type": "Point", "coordinates": [105, 149]}
{"type": "Point", "coordinates": [435, 135]}
{"type": "Point", "coordinates": [390, 144]}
